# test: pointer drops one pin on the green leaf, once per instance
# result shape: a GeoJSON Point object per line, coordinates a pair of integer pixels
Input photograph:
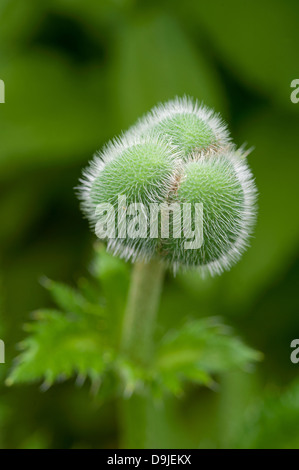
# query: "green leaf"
{"type": "Point", "coordinates": [71, 300]}
{"type": "Point", "coordinates": [60, 346]}
{"type": "Point", "coordinates": [200, 349]}
{"type": "Point", "coordinates": [80, 337]}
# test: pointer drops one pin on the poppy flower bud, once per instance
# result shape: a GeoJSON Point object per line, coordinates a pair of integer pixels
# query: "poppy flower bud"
{"type": "Point", "coordinates": [173, 187]}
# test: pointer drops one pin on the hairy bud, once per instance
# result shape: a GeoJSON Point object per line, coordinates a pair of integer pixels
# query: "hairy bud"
{"type": "Point", "coordinates": [173, 187]}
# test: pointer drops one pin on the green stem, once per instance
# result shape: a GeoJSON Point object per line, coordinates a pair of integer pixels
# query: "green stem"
{"type": "Point", "coordinates": [141, 311]}
{"type": "Point", "coordinates": [137, 344]}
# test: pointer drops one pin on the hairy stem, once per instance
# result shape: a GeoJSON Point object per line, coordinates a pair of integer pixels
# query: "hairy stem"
{"type": "Point", "coordinates": [140, 315]}
{"type": "Point", "coordinates": [137, 344]}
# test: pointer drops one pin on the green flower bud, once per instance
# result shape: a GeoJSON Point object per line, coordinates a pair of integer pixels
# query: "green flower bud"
{"type": "Point", "coordinates": [224, 186]}
{"type": "Point", "coordinates": [127, 173]}
{"type": "Point", "coordinates": [178, 190]}
{"type": "Point", "coordinates": [191, 127]}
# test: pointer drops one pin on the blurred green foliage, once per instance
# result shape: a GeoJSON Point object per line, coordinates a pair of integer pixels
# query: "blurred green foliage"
{"type": "Point", "coordinates": [76, 74]}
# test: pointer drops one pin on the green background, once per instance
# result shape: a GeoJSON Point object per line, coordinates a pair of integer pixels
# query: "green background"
{"type": "Point", "coordinates": [76, 74]}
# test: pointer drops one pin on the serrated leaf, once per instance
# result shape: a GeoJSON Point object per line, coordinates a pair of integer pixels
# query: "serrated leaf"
{"type": "Point", "coordinates": [198, 350]}
{"type": "Point", "coordinates": [60, 346]}
{"type": "Point", "coordinates": [71, 300]}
